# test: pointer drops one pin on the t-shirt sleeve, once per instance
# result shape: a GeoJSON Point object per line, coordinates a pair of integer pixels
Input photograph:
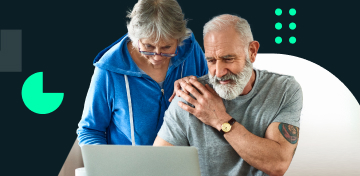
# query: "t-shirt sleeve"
{"type": "Point", "coordinates": [173, 129]}
{"type": "Point", "coordinates": [290, 110]}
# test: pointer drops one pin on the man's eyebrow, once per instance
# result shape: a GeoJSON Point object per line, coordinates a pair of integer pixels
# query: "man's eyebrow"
{"type": "Point", "coordinates": [222, 57]}
{"type": "Point", "coordinates": [166, 46]}
{"type": "Point", "coordinates": [228, 56]}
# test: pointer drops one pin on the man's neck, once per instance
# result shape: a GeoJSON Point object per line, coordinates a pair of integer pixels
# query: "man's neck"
{"type": "Point", "coordinates": [250, 84]}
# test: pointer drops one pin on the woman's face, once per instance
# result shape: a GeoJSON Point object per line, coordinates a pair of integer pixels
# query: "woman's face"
{"type": "Point", "coordinates": [162, 46]}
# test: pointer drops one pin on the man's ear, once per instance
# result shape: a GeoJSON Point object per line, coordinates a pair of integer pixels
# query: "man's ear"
{"type": "Point", "coordinates": [253, 49]}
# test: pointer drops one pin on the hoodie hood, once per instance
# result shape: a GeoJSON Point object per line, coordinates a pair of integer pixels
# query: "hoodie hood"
{"type": "Point", "coordinates": [116, 58]}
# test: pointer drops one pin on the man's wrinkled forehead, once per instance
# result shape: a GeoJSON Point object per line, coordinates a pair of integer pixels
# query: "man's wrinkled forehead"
{"type": "Point", "coordinates": [219, 43]}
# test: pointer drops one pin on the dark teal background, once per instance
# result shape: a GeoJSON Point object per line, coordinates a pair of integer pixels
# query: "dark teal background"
{"type": "Point", "coordinates": [61, 38]}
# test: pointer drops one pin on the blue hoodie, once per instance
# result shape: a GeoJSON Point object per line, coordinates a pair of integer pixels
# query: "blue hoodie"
{"type": "Point", "coordinates": [106, 120]}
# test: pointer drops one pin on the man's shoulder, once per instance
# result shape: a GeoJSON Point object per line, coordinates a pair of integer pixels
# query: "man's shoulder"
{"type": "Point", "coordinates": [269, 74]}
{"type": "Point", "coordinates": [204, 79]}
{"type": "Point", "coordinates": [175, 111]}
{"type": "Point", "coordinates": [277, 80]}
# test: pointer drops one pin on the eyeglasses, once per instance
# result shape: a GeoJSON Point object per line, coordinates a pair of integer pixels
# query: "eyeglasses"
{"type": "Point", "coordinates": [154, 53]}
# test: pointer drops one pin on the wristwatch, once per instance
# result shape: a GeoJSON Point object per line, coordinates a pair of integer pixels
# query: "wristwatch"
{"type": "Point", "coordinates": [226, 127]}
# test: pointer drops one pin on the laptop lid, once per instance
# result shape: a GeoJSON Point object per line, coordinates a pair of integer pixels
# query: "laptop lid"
{"type": "Point", "coordinates": [117, 160]}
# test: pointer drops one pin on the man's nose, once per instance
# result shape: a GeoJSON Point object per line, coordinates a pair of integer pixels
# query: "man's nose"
{"type": "Point", "coordinates": [221, 70]}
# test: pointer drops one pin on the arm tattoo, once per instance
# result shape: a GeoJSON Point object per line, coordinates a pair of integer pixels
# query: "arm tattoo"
{"type": "Point", "coordinates": [290, 133]}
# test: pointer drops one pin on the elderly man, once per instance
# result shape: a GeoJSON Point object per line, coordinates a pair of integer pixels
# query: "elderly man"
{"type": "Point", "coordinates": [243, 121]}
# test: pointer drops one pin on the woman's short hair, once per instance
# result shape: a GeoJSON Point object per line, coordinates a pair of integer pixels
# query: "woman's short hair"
{"type": "Point", "coordinates": [157, 20]}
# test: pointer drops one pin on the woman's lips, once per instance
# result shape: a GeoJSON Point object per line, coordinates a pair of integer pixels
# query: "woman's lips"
{"type": "Point", "coordinates": [157, 61]}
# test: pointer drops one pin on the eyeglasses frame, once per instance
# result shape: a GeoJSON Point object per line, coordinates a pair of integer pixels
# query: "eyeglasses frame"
{"type": "Point", "coordinates": [154, 53]}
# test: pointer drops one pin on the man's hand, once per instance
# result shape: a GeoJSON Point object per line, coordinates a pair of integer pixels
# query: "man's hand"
{"type": "Point", "coordinates": [177, 86]}
{"type": "Point", "coordinates": [209, 107]}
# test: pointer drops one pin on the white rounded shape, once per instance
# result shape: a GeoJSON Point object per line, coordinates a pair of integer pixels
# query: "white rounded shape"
{"type": "Point", "coordinates": [329, 139]}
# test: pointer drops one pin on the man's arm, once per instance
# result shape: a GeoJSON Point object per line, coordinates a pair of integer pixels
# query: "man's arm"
{"type": "Point", "coordinates": [161, 142]}
{"type": "Point", "coordinates": [173, 130]}
{"type": "Point", "coordinates": [271, 154]}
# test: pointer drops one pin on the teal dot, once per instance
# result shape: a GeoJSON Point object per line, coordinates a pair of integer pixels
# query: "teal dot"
{"type": "Point", "coordinates": [278, 40]}
{"type": "Point", "coordinates": [278, 11]}
{"type": "Point", "coordinates": [292, 26]}
{"type": "Point", "coordinates": [292, 39]}
{"type": "Point", "coordinates": [292, 12]}
{"type": "Point", "coordinates": [278, 26]}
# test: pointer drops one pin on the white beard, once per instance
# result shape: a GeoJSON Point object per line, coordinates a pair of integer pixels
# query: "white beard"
{"type": "Point", "coordinates": [237, 82]}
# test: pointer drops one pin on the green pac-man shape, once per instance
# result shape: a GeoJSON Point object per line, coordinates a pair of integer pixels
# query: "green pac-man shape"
{"type": "Point", "coordinates": [35, 99]}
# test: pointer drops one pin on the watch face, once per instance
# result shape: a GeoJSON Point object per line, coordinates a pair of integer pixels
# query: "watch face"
{"type": "Point", "coordinates": [226, 127]}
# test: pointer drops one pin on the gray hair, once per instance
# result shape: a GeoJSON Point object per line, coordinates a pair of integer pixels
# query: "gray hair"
{"type": "Point", "coordinates": [225, 21]}
{"type": "Point", "coordinates": [157, 20]}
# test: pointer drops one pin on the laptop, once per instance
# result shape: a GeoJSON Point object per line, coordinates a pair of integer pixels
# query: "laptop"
{"type": "Point", "coordinates": [118, 160]}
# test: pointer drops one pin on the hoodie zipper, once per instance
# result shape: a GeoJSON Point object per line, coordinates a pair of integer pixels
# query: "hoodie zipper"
{"type": "Point", "coordinates": [162, 90]}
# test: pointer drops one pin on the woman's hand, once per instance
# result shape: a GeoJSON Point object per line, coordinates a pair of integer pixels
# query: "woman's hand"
{"type": "Point", "coordinates": [177, 86]}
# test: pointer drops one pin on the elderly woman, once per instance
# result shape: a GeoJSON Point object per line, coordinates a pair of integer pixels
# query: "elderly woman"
{"type": "Point", "coordinates": [134, 77]}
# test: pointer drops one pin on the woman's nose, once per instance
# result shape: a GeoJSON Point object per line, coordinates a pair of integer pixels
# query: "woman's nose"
{"type": "Point", "coordinates": [158, 57]}
{"type": "Point", "coordinates": [157, 50]}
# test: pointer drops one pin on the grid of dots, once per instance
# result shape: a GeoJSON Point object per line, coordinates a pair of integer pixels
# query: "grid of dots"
{"type": "Point", "coordinates": [278, 26]}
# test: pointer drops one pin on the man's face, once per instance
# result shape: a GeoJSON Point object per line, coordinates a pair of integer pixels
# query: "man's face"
{"type": "Point", "coordinates": [229, 66]}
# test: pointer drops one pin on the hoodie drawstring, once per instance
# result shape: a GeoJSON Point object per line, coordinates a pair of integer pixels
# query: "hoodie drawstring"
{"type": "Point", "coordinates": [182, 68]}
{"type": "Point", "coordinates": [130, 106]}
{"type": "Point", "coordinates": [130, 111]}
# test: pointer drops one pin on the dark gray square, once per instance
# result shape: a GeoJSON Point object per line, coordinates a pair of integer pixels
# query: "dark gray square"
{"type": "Point", "coordinates": [11, 51]}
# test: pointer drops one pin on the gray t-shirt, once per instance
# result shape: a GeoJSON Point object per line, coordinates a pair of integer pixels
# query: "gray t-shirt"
{"type": "Point", "coordinates": [274, 98]}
